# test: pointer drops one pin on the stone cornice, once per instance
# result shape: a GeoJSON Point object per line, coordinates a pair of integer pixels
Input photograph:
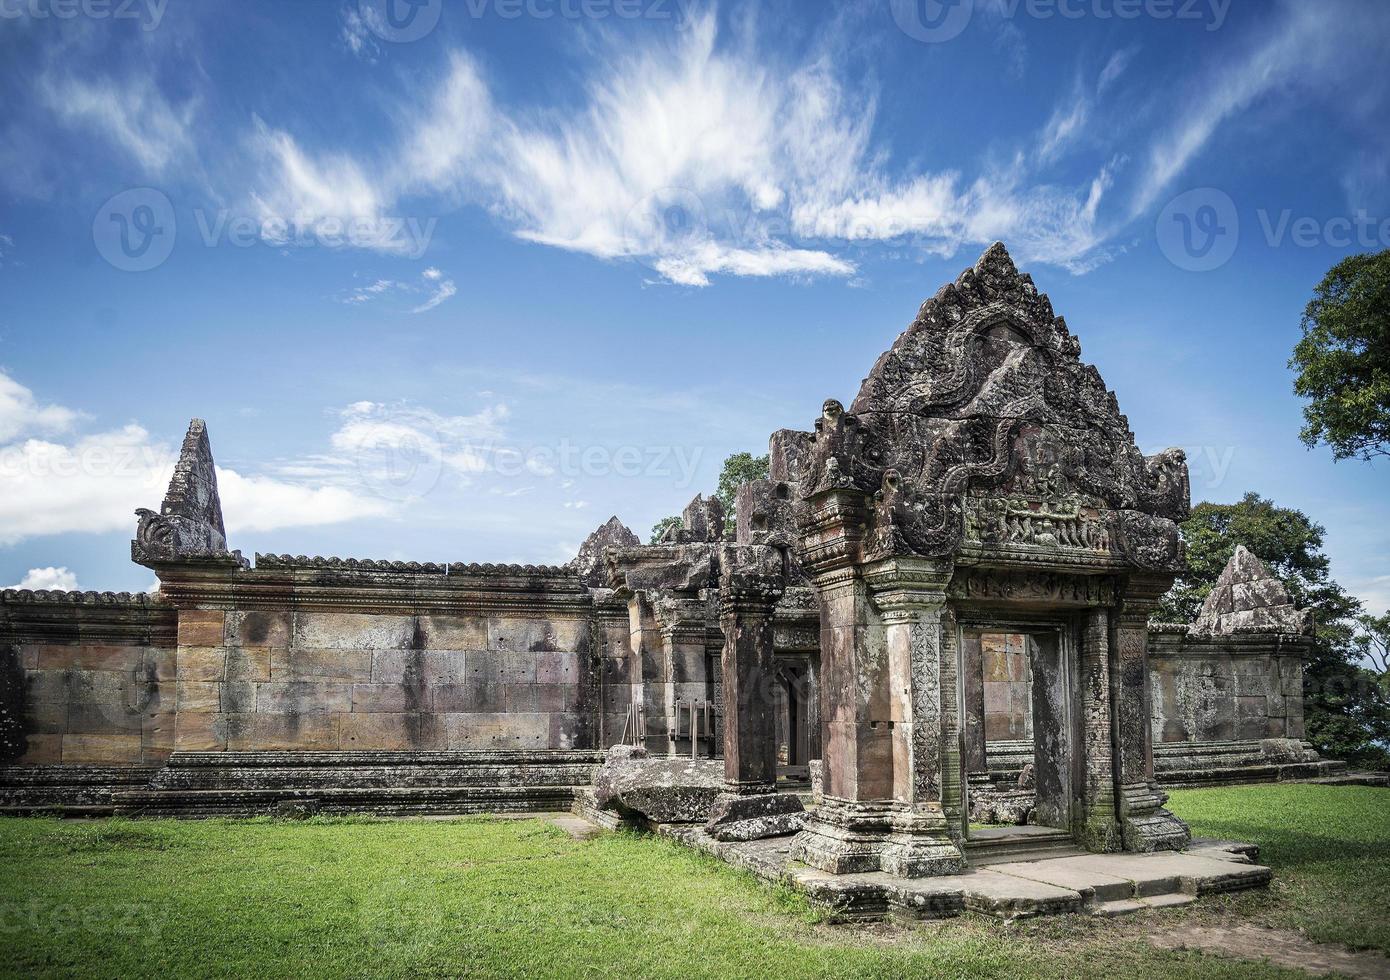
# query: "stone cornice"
{"type": "Point", "coordinates": [348, 588]}
{"type": "Point", "coordinates": [116, 618]}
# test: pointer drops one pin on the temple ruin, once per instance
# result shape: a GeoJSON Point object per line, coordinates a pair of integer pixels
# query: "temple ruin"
{"type": "Point", "coordinates": [932, 623]}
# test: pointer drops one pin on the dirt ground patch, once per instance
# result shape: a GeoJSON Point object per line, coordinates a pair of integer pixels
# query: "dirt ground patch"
{"type": "Point", "coordinates": [1278, 946]}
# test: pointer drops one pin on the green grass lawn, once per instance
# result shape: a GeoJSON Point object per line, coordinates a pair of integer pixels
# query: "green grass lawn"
{"type": "Point", "coordinates": [483, 897]}
{"type": "Point", "coordinates": [1329, 847]}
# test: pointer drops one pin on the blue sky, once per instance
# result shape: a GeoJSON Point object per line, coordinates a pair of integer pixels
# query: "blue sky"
{"type": "Point", "coordinates": [457, 281]}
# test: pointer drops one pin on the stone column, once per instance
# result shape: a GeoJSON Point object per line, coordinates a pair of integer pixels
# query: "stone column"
{"type": "Point", "coordinates": [1144, 824]}
{"type": "Point", "coordinates": [751, 581]}
{"type": "Point", "coordinates": [881, 670]}
{"type": "Point", "coordinates": [684, 668]}
{"type": "Point", "coordinates": [910, 595]}
{"type": "Point", "coordinates": [1100, 828]}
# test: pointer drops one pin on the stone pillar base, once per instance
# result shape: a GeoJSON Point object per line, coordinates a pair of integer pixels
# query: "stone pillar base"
{"type": "Point", "coordinates": [844, 837]}
{"type": "Point", "coordinates": [1145, 824]}
{"type": "Point", "coordinates": [1100, 831]}
{"type": "Point", "coordinates": [753, 816]}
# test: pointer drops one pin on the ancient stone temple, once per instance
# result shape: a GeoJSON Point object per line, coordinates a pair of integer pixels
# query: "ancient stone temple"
{"type": "Point", "coordinates": [936, 610]}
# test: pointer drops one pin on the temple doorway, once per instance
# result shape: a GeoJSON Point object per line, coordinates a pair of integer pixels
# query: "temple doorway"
{"type": "Point", "coordinates": [1019, 756]}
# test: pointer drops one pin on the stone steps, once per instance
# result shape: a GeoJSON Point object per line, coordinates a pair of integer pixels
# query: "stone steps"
{"type": "Point", "coordinates": [386, 801]}
{"type": "Point", "coordinates": [72, 790]}
{"type": "Point", "coordinates": [1099, 884]}
{"type": "Point", "coordinates": [1018, 844]}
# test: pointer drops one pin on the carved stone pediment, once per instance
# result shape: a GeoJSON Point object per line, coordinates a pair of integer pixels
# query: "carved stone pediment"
{"type": "Point", "coordinates": [981, 424]}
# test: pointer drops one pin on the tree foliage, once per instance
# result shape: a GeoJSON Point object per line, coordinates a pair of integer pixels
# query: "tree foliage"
{"type": "Point", "coordinates": [1346, 709]}
{"type": "Point", "coordinates": [661, 526]}
{"type": "Point", "coordinates": [740, 468]}
{"type": "Point", "coordinates": [1343, 360]}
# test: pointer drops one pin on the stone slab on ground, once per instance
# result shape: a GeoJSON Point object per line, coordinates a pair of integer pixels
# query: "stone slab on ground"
{"type": "Point", "coordinates": [1093, 886]}
{"type": "Point", "coordinates": [1105, 884]}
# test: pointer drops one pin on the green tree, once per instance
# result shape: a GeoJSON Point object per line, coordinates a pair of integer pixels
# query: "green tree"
{"type": "Point", "coordinates": [661, 526]}
{"type": "Point", "coordinates": [740, 468]}
{"type": "Point", "coordinates": [1347, 712]}
{"type": "Point", "coordinates": [1343, 360]}
{"type": "Point", "coordinates": [1373, 641]}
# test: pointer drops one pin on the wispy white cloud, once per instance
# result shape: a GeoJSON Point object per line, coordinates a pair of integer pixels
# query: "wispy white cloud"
{"type": "Point", "coordinates": [434, 285]}
{"type": "Point", "coordinates": [1302, 47]}
{"type": "Point", "coordinates": [443, 289]}
{"type": "Point", "coordinates": [21, 413]}
{"type": "Point", "coordinates": [132, 113]}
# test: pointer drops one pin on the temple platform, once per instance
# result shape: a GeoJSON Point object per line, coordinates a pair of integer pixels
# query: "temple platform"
{"type": "Point", "coordinates": [1051, 884]}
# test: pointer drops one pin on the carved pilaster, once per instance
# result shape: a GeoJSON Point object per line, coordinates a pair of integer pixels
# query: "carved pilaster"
{"type": "Point", "coordinates": [1101, 829]}
{"type": "Point", "coordinates": [751, 582]}
{"type": "Point", "coordinates": [1144, 824]}
{"type": "Point", "coordinates": [895, 821]}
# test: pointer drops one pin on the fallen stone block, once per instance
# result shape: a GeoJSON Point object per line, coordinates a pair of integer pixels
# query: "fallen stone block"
{"type": "Point", "coordinates": [755, 816]}
{"type": "Point", "coordinates": [663, 790]}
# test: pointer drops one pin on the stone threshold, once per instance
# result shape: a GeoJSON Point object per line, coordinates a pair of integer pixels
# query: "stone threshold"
{"type": "Point", "coordinates": [1098, 884]}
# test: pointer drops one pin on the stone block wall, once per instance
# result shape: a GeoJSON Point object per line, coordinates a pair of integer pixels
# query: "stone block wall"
{"type": "Point", "coordinates": [89, 679]}
{"type": "Point", "coordinates": [1225, 688]}
{"type": "Point", "coordinates": [1008, 687]}
{"type": "Point", "coordinates": [322, 680]}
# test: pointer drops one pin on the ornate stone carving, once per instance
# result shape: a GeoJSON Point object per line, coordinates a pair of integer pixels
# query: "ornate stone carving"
{"type": "Point", "coordinates": [1038, 586]}
{"type": "Point", "coordinates": [982, 424]}
{"type": "Point", "coordinates": [189, 522]}
{"type": "Point", "coordinates": [588, 564]}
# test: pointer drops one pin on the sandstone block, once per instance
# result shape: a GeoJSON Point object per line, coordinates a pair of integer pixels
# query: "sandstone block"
{"type": "Point", "coordinates": [454, 632]}
{"type": "Point", "coordinates": [202, 627]}
{"type": "Point", "coordinates": [201, 664]}
{"type": "Point", "coordinates": [298, 663]}
{"type": "Point", "coordinates": [663, 790]}
{"type": "Point", "coordinates": [303, 697]}
{"type": "Point", "coordinates": [259, 629]}
{"type": "Point", "coordinates": [352, 631]}
{"type": "Point", "coordinates": [248, 664]}
{"type": "Point", "coordinates": [101, 749]}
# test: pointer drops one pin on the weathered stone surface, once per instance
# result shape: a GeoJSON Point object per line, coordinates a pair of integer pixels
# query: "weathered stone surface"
{"type": "Point", "coordinates": [189, 522]}
{"type": "Point", "coordinates": [663, 790]}
{"type": "Point", "coordinates": [1248, 597]}
{"type": "Point", "coordinates": [589, 564]}
{"type": "Point", "coordinates": [754, 816]}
